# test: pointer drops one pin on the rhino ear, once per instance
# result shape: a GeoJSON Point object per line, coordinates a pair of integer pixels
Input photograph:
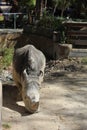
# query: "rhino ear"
{"type": "Point", "coordinates": [30, 60]}
{"type": "Point", "coordinates": [25, 72]}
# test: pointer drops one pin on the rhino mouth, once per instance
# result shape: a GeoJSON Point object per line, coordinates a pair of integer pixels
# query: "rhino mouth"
{"type": "Point", "coordinates": [32, 107]}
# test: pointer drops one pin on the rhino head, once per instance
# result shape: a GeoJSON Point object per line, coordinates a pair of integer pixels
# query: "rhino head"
{"type": "Point", "coordinates": [30, 91]}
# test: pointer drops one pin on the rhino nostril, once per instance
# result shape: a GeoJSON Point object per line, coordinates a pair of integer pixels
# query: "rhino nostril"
{"type": "Point", "coordinates": [34, 105]}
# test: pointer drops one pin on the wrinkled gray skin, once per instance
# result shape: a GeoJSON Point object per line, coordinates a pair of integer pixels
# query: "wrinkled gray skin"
{"type": "Point", "coordinates": [28, 73]}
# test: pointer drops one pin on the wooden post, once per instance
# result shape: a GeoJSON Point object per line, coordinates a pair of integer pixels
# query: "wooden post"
{"type": "Point", "coordinates": [0, 104]}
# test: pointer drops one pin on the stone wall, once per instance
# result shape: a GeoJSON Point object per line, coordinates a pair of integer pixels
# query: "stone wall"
{"type": "Point", "coordinates": [7, 39]}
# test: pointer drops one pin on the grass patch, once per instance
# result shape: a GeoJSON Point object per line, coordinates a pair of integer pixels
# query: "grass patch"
{"type": "Point", "coordinates": [6, 126]}
{"type": "Point", "coordinates": [84, 60]}
{"type": "Point", "coordinates": [6, 58]}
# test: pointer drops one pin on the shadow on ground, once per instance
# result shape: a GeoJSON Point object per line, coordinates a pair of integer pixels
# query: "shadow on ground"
{"type": "Point", "coordinates": [10, 93]}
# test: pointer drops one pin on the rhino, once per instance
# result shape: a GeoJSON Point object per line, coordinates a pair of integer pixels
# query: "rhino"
{"type": "Point", "coordinates": [28, 73]}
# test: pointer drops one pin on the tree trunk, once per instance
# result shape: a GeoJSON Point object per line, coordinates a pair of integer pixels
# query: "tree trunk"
{"type": "Point", "coordinates": [54, 9]}
{"type": "Point", "coordinates": [29, 17]}
{"type": "Point", "coordinates": [39, 9]}
{"type": "Point", "coordinates": [45, 5]}
{"type": "Point", "coordinates": [62, 11]}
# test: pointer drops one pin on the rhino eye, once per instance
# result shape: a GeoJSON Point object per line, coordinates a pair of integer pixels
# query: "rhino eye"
{"type": "Point", "coordinates": [28, 70]}
{"type": "Point", "coordinates": [40, 73]}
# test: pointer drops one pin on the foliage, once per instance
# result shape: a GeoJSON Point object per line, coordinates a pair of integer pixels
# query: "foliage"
{"type": "Point", "coordinates": [61, 4]}
{"type": "Point", "coordinates": [79, 6]}
{"type": "Point", "coordinates": [29, 3]}
{"type": "Point", "coordinates": [6, 126]}
{"type": "Point", "coordinates": [51, 22]}
{"type": "Point", "coordinates": [6, 59]}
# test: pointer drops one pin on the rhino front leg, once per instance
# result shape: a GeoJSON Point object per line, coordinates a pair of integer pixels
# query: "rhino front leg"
{"type": "Point", "coordinates": [19, 96]}
{"type": "Point", "coordinates": [16, 78]}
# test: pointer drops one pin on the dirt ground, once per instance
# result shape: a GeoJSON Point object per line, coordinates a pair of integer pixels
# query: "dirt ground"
{"type": "Point", "coordinates": [63, 101]}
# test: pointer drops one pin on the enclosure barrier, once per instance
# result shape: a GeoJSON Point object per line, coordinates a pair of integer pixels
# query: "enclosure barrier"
{"type": "Point", "coordinates": [76, 33]}
{"type": "Point", "coordinates": [7, 19]}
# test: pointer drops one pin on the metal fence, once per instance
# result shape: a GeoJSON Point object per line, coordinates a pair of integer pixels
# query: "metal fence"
{"type": "Point", "coordinates": [13, 20]}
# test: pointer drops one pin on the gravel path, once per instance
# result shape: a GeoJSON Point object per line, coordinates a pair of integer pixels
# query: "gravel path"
{"type": "Point", "coordinates": [63, 103]}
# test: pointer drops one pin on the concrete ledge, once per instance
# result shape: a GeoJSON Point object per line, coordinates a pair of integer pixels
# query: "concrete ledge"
{"type": "Point", "coordinates": [78, 53]}
{"type": "Point", "coordinates": [0, 103]}
{"type": "Point", "coordinates": [6, 31]}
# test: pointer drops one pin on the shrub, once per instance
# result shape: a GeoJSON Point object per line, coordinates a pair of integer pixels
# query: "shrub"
{"type": "Point", "coordinates": [54, 23]}
{"type": "Point", "coordinates": [6, 58]}
{"type": "Point", "coordinates": [51, 22]}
